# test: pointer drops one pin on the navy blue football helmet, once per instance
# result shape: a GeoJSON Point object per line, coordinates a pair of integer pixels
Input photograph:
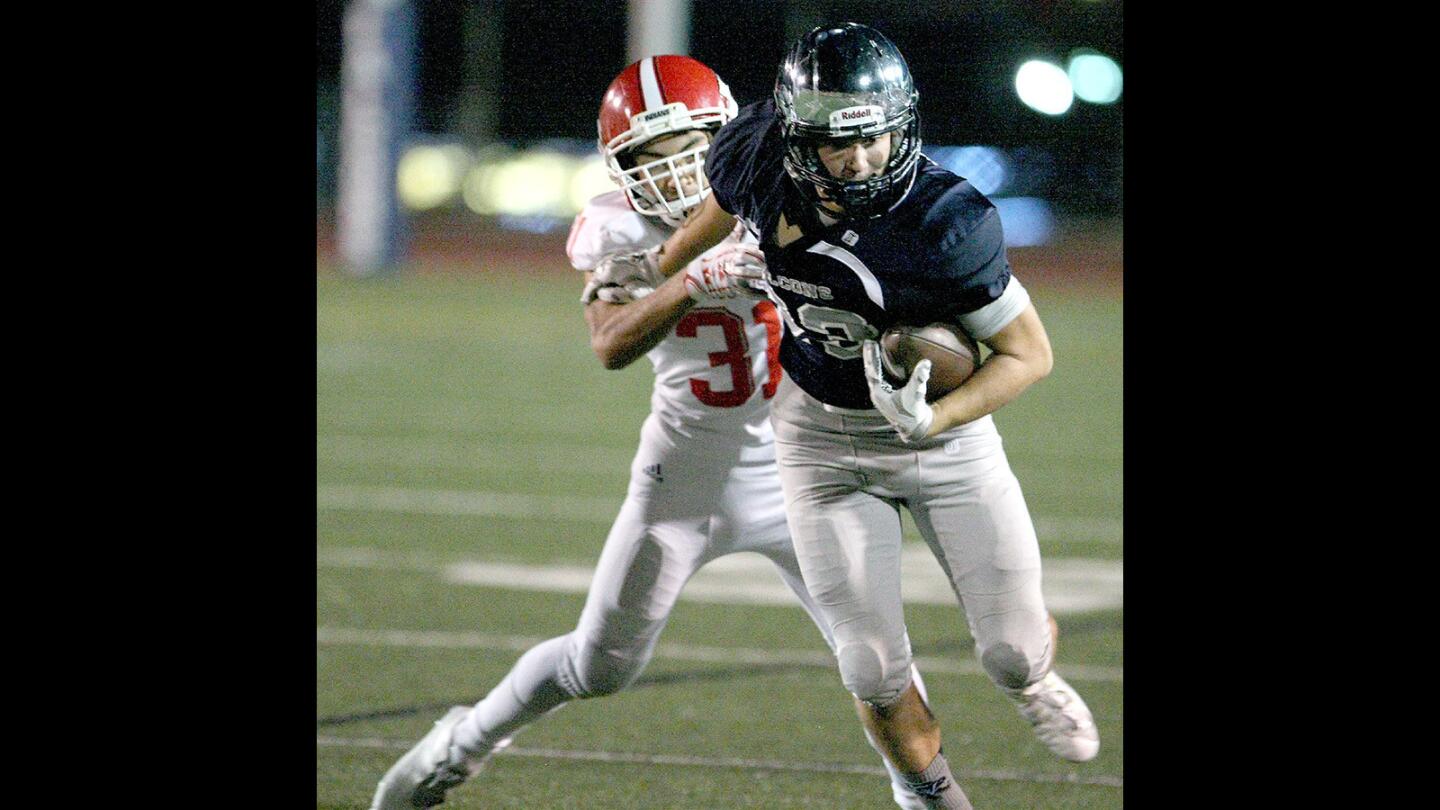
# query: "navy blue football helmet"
{"type": "Point", "coordinates": [839, 83]}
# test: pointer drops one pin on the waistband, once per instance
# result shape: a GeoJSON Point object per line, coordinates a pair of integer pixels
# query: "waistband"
{"type": "Point", "coordinates": [845, 411]}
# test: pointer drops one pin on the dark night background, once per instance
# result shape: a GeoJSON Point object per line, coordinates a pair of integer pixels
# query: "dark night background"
{"type": "Point", "coordinates": [547, 64]}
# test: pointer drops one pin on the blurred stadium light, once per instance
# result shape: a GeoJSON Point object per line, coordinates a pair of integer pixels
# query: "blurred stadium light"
{"type": "Point", "coordinates": [1044, 87]}
{"type": "Point", "coordinates": [540, 189]}
{"type": "Point", "coordinates": [534, 183]}
{"type": "Point", "coordinates": [1095, 76]}
{"type": "Point", "coordinates": [591, 179]}
{"type": "Point", "coordinates": [429, 175]}
{"type": "Point", "coordinates": [530, 183]}
{"type": "Point", "coordinates": [477, 189]}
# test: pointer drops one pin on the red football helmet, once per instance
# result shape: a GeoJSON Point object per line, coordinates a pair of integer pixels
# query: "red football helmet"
{"type": "Point", "coordinates": [657, 96]}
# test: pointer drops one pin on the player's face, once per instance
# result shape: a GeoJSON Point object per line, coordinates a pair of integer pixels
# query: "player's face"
{"type": "Point", "coordinates": [856, 159]}
{"type": "Point", "coordinates": [689, 174]}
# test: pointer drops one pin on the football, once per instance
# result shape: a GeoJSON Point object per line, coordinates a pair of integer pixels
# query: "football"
{"type": "Point", "coordinates": [953, 355]}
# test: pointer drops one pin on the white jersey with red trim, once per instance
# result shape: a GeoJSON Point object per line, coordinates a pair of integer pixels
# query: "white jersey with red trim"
{"type": "Point", "coordinates": [716, 372]}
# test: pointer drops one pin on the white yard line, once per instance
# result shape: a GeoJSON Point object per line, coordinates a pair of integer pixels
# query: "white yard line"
{"type": "Point", "coordinates": [476, 453]}
{"type": "Point", "coordinates": [1070, 585]}
{"type": "Point", "coordinates": [348, 636]}
{"type": "Point", "coordinates": [600, 509]}
{"type": "Point", "coordinates": [727, 762]}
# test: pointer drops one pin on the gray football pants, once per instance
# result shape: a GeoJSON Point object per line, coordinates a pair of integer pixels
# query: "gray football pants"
{"type": "Point", "coordinates": [707, 499]}
{"type": "Point", "coordinates": [846, 474]}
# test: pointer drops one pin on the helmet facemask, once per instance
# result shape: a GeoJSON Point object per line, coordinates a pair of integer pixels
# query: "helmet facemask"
{"type": "Point", "coordinates": [668, 187]}
{"type": "Point", "coordinates": [645, 183]}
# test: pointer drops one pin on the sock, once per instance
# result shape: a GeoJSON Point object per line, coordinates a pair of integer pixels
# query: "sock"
{"type": "Point", "coordinates": [937, 786]}
{"type": "Point", "coordinates": [919, 684]}
{"type": "Point", "coordinates": [904, 795]}
{"type": "Point", "coordinates": [528, 692]}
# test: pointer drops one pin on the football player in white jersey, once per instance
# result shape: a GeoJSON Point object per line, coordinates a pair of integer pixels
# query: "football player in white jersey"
{"type": "Point", "coordinates": [704, 481]}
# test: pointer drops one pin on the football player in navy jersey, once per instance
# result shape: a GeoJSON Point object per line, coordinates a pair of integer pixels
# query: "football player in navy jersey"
{"type": "Point", "coordinates": [704, 482]}
{"type": "Point", "coordinates": [861, 232]}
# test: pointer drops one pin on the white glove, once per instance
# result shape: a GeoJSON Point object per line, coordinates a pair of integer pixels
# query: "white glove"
{"type": "Point", "coordinates": [905, 409]}
{"type": "Point", "coordinates": [638, 273]}
{"type": "Point", "coordinates": [736, 270]}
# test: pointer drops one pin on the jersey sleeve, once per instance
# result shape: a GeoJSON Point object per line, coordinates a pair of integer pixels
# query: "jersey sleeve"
{"type": "Point", "coordinates": [971, 254]}
{"type": "Point", "coordinates": [731, 162]}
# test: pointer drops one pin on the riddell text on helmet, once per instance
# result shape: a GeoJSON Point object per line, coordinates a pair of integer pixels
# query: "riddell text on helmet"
{"type": "Point", "coordinates": [850, 116]}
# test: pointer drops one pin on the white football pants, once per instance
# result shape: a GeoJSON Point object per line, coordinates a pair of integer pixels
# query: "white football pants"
{"type": "Point", "coordinates": [689, 502]}
{"type": "Point", "coordinates": [846, 473]}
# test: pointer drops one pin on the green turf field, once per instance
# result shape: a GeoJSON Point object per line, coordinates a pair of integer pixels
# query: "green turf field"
{"type": "Point", "coordinates": [470, 453]}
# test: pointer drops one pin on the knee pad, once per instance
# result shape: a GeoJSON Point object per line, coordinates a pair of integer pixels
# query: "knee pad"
{"type": "Point", "coordinates": [1015, 647]}
{"type": "Point", "coordinates": [1010, 667]}
{"type": "Point", "coordinates": [863, 671]}
{"type": "Point", "coordinates": [597, 673]}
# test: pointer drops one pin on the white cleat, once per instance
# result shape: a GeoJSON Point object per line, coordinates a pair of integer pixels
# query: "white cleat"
{"type": "Point", "coordinates": [1060, 717]}
{"type": "Point", "coordinates": [427, 771]}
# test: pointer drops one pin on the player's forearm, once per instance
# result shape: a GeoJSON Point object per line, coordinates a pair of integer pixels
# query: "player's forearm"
{"type": "Point", "coordinates": [622, 333]}
{"type": "Point", "coordinates": [703, 230]}
{"type": "Point", "coordinates": [997, 383]}
{"type": "Point", "coordinates": [1020, 357]}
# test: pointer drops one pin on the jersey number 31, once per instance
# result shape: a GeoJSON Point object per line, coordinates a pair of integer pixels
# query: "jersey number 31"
{"type": "Point", "coordinates": [736, 354]}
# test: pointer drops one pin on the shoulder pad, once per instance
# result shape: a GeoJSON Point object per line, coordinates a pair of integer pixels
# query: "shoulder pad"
{"type": "Point", "coordinates": [608, 225]}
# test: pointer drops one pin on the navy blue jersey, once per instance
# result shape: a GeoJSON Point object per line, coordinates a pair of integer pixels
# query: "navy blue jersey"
{"type": "Point", "coordinates": [936, 256]}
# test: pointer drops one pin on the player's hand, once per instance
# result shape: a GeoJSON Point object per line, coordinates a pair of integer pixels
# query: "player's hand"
{"type": "Point", "coordinates": [638, 273]}
{"type": "Point", "coordinates": [904, 408]}
{"type": "Point", "coordinates": [615, 293]}
{"type": "Point", "coordinates": [736, 270]}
